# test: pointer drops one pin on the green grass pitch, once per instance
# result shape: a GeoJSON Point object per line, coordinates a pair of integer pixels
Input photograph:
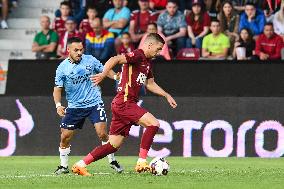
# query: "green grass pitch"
{"type": "Point", "coordinates": [35, 172]}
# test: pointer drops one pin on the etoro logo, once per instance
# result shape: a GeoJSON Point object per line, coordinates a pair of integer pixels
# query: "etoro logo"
{"type": "Point", "coordinates": [24, 124]}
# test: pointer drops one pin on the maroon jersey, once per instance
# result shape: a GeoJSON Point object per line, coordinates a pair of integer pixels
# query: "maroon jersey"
{"type": "Point", "coordinates": [133, 76]}
{"type": "Point", "coordinates": [142, 20]}
{"type": "Point", "coordinates": [85, 26]}
{"type": "Point", "coordinates": [59, 25]}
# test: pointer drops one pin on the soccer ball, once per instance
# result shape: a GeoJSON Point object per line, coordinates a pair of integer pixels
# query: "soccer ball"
{"type": "Point", "coordinates": [159, 166]}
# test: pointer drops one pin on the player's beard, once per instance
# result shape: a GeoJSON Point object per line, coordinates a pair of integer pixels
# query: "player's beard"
{"type": "Point", "coordinates": [76, 58]}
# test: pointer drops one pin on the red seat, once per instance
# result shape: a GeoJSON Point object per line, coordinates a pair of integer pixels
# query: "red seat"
{"type": "Point", "coordinates": [188, 54]}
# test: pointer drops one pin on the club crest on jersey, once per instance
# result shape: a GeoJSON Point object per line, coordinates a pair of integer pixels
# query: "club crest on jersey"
{"type": "Point", "coordinates": [88, 68]}
{"type": "Point", "coordinates": [141, 78]}
{"type": "Point", "coordinates": [131, 54]}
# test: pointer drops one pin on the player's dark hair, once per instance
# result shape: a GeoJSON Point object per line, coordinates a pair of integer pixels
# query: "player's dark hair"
{"type": "Point", "coordinates": [125, 33]}
{"type": "Point", "coordinates": [215, 20]}
{"type": "Point", "coordinates": [74, 40]}
{"type": "Point", "coordinates": [65, 3]}
{"type": "Point", "coordinates": [269, 24]}
{"type": "Point", "coordinates": [154, 24]}
{"type": "Point", "coordinates": [155, 37]}
{"type": "Point", "coordinates": [250, 3]}
{"type": "Point", "coordinates": [173, 1]}
{"type": "Point", "coordinates": [92, 8]}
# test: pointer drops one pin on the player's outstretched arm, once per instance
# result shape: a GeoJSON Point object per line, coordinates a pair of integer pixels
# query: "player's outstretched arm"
{"type": "Point", "coordinates": [57, 100]}
{"type": "Point", "coordinates": [152, 86]}
{"type": "Point", "coordinates": [119, 59]}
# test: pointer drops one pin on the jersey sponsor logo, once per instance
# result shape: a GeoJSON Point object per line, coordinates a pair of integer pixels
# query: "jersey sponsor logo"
{"type": "Point", "coordinates": [88, 68]}
{"type": "Point", "coordinates": [80, 79]}
{"type": "Point", "coordinates": [119, 89]}
{"type": "Point", "coordinates": [141, 78]}
{"type": "Point", "coordinates": [131, 54]}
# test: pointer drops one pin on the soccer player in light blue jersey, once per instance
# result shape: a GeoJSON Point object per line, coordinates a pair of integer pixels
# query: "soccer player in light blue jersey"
{"type": "Point", "coordinates": [84, 100]}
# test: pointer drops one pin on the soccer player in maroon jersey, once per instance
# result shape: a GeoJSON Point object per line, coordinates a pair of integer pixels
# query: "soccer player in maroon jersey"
{"type": "Point", "coordinates": [135, 73]}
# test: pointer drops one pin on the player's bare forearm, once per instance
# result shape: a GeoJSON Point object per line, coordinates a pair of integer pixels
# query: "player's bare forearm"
{"type": "Point", "coordinates": [111, 74]}
{"type": "Point", "coordinates": [153, 87]}
{"type": "Point", "coordinates": [57, 94]}
{"type": "Point", "coordinates": [119, 59]}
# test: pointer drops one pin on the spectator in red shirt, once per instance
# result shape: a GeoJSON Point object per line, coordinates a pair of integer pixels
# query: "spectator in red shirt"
{"type": "Point", "coordinates": [59, 22]}
{"type": "Point", "coordinates": [70, 27]}
{"type": "Point", "coordinates": [85, 25]}
{"type": "Point", "coordinates": [139, 21]}
{"type": "Point", "coordinates": [198, 22]}
{"type": "Point", "coordinates": [126, 46]}
{"type": "Point", "coordinates": [158, 4]}
{"type": "Point", "coordinates": [269, 44]}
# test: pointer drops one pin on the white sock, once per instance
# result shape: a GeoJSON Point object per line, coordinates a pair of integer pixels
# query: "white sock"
{"type": "Point", "coordinates": [141, 160]}
{"type": "Point", "coordinates": [110, 157]}
{"type": "Point", "coordinates": [64, 156]}
{"type": "Point", "coordinates": [81, 163]}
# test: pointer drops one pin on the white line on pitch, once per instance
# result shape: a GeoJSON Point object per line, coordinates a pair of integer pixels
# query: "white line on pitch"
{"type": "Point", "coordinates": [50, 175]}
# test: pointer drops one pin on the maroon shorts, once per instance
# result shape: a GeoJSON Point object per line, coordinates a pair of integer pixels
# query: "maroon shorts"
{"type": "Point", "coordinates": [124, 116]}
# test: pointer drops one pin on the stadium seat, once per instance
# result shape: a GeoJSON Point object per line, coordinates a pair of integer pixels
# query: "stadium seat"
{"type": "Point", "coordinates": [188, 54]}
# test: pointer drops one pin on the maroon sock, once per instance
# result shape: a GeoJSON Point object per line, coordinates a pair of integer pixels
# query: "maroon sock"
{"type": "Point", "coordinates": [147, 140]}
{"type": "Point", "coordinates": [102, 151]}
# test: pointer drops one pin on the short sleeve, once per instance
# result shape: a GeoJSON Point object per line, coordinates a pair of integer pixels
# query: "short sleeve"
{"type": "Point", "coordinates": [133, 16]}
{"type": "Point", "coordinates": [134, 57]}
{"type": "Point", "coordinates": [109, 14]}
{"type": "Point", "coordinates": [125, 14]}
{"type": "Point", "coordinates": [204, 42]}
{"type": "Point", "coordinates": [54, 37]}
{"type": "Point", "coordinates": [36, 39]}
{"type": "Point", "coordinates": [226, 42]}
{"type": "Point", "coordinates": [59, 78]}
{"type": "Point", "coordinates": [182, 23]}
{"type": "Point", "coordinates": [206, 19]}
{"type": "Point", "coordinates": [98, 67]}
{"type": "Point", "coordinates": [160, 20]}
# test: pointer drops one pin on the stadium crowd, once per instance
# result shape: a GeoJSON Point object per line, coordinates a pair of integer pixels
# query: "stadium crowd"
{"type": "Point", "coordinates": [205, 29]}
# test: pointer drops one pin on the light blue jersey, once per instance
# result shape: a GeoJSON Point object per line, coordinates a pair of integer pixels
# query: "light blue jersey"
{"type": "Point", "coordinates": [75, 78]}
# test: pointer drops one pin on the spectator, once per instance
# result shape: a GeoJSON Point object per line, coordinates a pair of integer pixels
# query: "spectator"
{"type": "Point", "coordinates": [158, 4]}
{"type": "Point", "coordinates": [252, 19]}
{"type": "Point", "coordinates": [59, 22]}
{"type": "Point", "coordinates": [229, 21]}
{"type": "Point", "coordinates": [152, 28]}
{"type": "Point", "coordinates": [4, 11]}
{"type": "Point", "coordinates": [270, 7]}
{"type": "Point", "coordinates": [85, 25]}
{"type": "Point", "coordinates": [77, 9]}
{"type": "Point", "coordinates": [278, 21]}
{"type": "Point", "coordinates": [116, 19]}
{"type": "Point", "coordinates": [211, 7]}
{"type": "Point", "coordinates": [269, 44]}
{"type": "Point", "coordinates": [247, 42]}
{"type": "Point", "coordinates": [45, 42]}
{"type": "Point", "coordinates": [126, 46]}
{"type": "Point", "coordinates": [139, 21]}
{"type": "Point", "coordinates": [70, 31]}
{"type": "Point", "coordinates": [172, 24]}
{"type": "Point", "coordinates": [198, 22]}
{"type": "Point", "coordinates": [215, 45]}
{"type": "Point", "coordinates": [239, 5]}
{"type": "Point", "coordinates": [99, 42]}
